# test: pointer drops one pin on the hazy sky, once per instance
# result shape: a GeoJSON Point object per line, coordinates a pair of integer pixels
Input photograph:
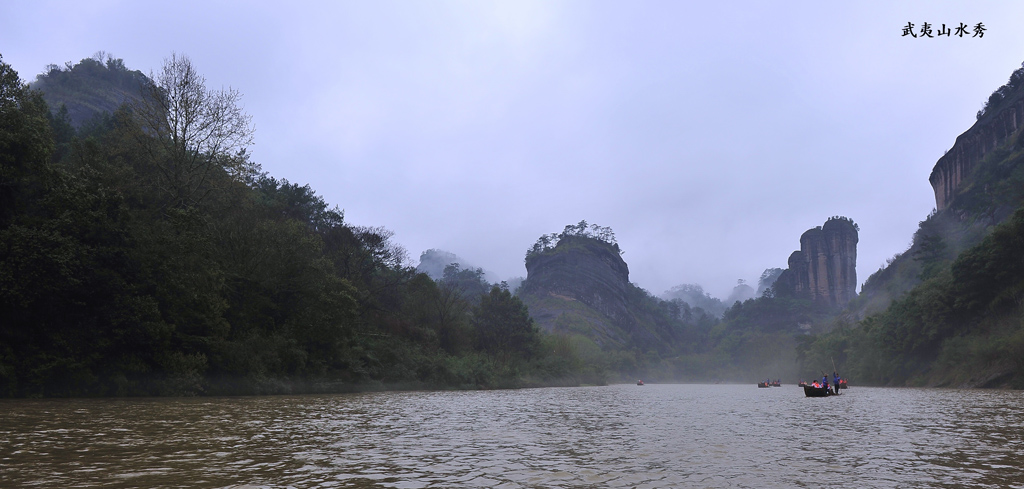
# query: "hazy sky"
{"type": "Point", "coordinates": [708, 135]}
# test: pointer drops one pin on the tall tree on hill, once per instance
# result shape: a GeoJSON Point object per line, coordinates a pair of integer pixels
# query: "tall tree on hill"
{"type": "Point", "coordinates": [25, 138]}
{"type": "Point", "coordinates": [503, 325]}
{"type": "Point", "coordinates": [190, 132]}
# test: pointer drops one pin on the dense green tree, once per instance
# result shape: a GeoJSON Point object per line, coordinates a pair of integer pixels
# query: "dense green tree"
{"type": "Point", "coordinates": [451, 306]}
{"type": "Point", "coordinates": [469, 282]}
{"type": "Point", "coordinates": [26, 141]}
{"type": "Point", "coordinates": [992, 274]}
{"type": "Point", "coordinates": [503, 326]}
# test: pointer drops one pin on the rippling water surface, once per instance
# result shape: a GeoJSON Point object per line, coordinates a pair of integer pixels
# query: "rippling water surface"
{"type": "Point", "coordinates": [615, 436]}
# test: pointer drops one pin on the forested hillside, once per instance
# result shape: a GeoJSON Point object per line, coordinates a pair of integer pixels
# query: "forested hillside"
{"type": "Point", "coordinates": [142, 252]}
{"type": "Point", "coordinates": [948, 311]}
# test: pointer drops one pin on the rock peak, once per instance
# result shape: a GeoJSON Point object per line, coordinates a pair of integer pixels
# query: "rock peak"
{"type": "Point", "coordinates": [825, 268]}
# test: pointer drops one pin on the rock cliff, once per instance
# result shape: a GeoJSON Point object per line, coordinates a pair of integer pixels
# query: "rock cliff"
{"type": "Point", "coordinates": [581, 286]}
{"type": "Point", "coordinates": [92, 87]}
{"type": "Point", "coordinates": [988, 133]}
{"type": "Point", "coordinates": [825, 268]}
{"type": "Point", "coordinates": [977, 185]}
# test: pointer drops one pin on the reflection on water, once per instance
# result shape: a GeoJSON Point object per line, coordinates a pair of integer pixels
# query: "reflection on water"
{"type": "Point", "coordinates": [615, 436]}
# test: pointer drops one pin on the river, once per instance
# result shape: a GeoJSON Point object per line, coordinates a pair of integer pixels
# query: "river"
{"type": "Point", "coordinates": [613, 436]}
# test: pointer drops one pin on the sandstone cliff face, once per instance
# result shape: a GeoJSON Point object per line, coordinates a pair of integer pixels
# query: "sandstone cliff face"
{"type": "Point", "coordinates": [582, 286]}
{"type": "Point", "coordinates": [825, 268]}
{"type": "Point", "coordinates": [583, 268]}
{"type": "Point", "coordinates": [969, 149]}
{"type": "Point", "coordinates": [578, 269]}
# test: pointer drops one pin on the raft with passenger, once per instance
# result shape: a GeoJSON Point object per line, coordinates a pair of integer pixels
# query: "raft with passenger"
{"type": "Point", "coordinates": [815, 390]}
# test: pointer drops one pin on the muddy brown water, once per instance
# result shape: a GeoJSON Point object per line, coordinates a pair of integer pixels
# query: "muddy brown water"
{"type": "Point", "coordinates": [587, 437]}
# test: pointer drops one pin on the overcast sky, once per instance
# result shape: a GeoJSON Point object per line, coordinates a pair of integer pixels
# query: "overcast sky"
{"type": "Point", "coordinates": [708, 135]}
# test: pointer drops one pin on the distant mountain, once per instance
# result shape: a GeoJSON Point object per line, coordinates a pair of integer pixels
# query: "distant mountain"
{"type": "Point", "coordinates": [695, 296]}
{"type": "Point", "coordinates": [768, 278]}
{"type": "Point", "coordinates": [741, 292]}
{"type": "Point", "coordinates": [94, 86]}
{"type": "Point", "coordinates": [433, 262]}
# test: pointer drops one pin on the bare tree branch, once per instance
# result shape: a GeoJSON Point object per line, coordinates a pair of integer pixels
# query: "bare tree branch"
{"type": "Point", "coordinates": [190, 131]}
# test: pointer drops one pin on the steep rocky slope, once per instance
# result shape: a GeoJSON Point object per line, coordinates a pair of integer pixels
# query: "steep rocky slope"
{"type": "Point", "coordinates": [990, 131]}
{"type": "Point", "coordinates": [581, 286]}
{"type": "Point", "coordinates": [978, 184]}
{"type": "Point", "coordinates": [90, 88]}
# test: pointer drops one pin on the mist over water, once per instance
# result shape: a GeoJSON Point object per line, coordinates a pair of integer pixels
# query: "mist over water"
{"type": "Point", "coordinates": [615, 436]}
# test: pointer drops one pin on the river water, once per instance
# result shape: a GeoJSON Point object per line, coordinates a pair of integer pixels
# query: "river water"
{"type": "Point", "coordinates": [613, 436]}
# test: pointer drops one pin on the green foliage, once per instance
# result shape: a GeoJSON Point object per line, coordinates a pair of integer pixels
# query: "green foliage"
{"type": "Point", "coordinates": [503, 326]}
{"type": "Point", "coordinates": [931, 251]}
{"type": "Point", "coordinates": [774, 314]}
{"type": "Point", "coordinates": [1005, 93]}
{"type": "Point", "coordinates": [25, 141]}
{"type": "Point", "coordinates": [832, 221]}
{"type": "Point", "coordinates": [991, 275]}
{"type": "Point", "coordinates": [469, 282]}
{"type": "Point", "coordinates": [548, 242]}
{"type": "Point", "coordinates": [940, 238]}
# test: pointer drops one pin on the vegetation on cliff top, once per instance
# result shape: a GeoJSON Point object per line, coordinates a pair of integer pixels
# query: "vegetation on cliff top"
{"type": "Point", "coordinates": [548, 242]}
{"type": "Point", "coordinates": [1003, 95]}
{"type": "Point", "coordinates": [89, 88]}
{"type": "Point", "coordinates": [840, 221]}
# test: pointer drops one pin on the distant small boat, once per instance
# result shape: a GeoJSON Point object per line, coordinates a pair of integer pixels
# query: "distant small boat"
{"type": "Point", "coordinates": [763, 384]}
{"type": "Point", "coordinates": [776, 384]}
{"type": "Point", "coordinates": [842, 383]}
{"type": "Point", "coordinates": [639, 382]}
